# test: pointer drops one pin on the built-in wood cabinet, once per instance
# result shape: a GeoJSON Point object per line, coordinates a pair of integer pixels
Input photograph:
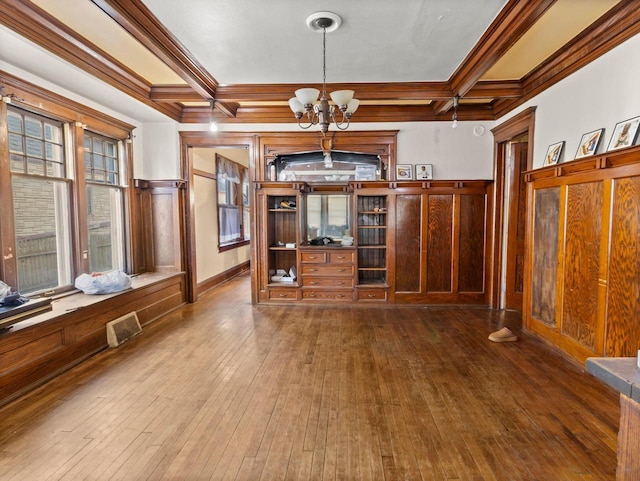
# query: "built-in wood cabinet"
{"type": "Point", "coordinates": [327, 273]}
{"type": "Point", "coordinates": [582, 275]}
{"type": "Point", "coordinates": [440, 242]}
{"type": "Point", "coordinates": [277, 234]}
{"type": "Point", "coordinates": [414, 242]}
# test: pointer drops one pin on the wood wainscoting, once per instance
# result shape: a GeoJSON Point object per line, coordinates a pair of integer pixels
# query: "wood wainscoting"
{"type": "Point", "coordinates": [583, 260]}
{"type": "Point", "coordinates": [42, 347]}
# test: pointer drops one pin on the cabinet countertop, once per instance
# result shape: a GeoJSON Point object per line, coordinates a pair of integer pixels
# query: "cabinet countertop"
{"type": "Point", "coordinates": [621, 373]}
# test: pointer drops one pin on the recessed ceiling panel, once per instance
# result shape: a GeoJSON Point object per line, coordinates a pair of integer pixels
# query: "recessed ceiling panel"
{"type": "Point", "coordinates": [563, 21]}
{"type": "Point", "coordinates": [91, 22]}
{"type": "Point", "coordinates": [379, 40]}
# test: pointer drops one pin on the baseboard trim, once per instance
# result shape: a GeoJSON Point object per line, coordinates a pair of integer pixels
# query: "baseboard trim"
{"type": "Point", "coordinates": [218, 279]}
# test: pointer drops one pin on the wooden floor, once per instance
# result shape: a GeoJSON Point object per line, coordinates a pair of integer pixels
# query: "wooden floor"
{"type": "Point", "coordinates": [224, 390]}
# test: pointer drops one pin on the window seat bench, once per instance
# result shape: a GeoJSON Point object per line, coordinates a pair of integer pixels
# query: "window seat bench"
{"type": "Point", "coordinates": [39, 348]}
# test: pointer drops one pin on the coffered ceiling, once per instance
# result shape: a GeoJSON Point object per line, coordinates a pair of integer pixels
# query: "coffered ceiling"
{"type": "Point", "coordinates": [406, 59]}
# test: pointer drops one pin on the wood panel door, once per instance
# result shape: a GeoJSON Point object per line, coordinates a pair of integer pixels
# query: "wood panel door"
{"type": "Point", "coordinates": [514, 282]}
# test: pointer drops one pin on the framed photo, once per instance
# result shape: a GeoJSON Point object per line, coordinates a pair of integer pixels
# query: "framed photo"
{"type": "Point", "coordinates": [424, 171]}
{"type": "Point", "coordinates": [624, 134]}
{"type": "Point", "coordinates": [404, 172]}
{"type": "Point", "coordinates": [553, 153]}
{"type": "Point", "coordinates": [589, 143]}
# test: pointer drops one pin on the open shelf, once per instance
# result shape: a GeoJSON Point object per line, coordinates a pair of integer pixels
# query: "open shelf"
{"type": "Point", "coordinates": [372, 239]}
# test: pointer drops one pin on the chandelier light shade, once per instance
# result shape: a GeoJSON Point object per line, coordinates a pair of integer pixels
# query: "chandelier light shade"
{"type": "Point", "coordinates": [306, 107]}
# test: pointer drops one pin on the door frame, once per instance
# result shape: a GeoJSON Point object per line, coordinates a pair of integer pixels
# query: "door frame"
{"type": "Point", "coordinates": [522, 123]}
{"type": "Point", "coordinates": [215, 140]}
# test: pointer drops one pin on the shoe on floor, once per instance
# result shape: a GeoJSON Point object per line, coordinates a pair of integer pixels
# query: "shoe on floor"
{"type": "Point", "coordinates": [503, 335]}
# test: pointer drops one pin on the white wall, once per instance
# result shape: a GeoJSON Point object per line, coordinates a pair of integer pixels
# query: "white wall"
{"type": "Point", "coordinates": [599, 95]}
{"type": "Point", "coordinates": [160, 151]}
{"type": "Point", "coordinates": [210, 262]}
{"type": "Point", "coordinates": [454, 153]}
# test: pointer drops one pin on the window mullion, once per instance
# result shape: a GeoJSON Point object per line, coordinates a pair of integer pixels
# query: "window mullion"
{"type": "Point", "coordinates": [80, 224]}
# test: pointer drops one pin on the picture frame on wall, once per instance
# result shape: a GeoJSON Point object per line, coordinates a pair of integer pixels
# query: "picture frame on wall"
{"type": "Point", "coordinates": [589, 143]}
{"type": "Point", "coordinates": [553, 153]}
{"type": "Point", "coordinates": [424, 171]}
{"type": "Point", "coordinates": [624, 134]}
{"type": "Point", "coordinates": [404, 172]}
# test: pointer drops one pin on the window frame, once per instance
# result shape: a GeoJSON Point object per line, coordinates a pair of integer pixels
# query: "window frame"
{"type": "Point", "coordinates": [238, 203]}
{"type": "Point", "coordinates": [76, 118]}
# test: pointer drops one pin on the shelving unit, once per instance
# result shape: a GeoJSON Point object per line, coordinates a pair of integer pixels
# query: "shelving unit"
{"type": "Point", "coordinates": [282, 237]}
{"type": "Point", "coordinates": [372, 240]}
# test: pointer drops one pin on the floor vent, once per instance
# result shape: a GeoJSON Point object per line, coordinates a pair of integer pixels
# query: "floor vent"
{"type": "Point", "coordinates": [123, 329]}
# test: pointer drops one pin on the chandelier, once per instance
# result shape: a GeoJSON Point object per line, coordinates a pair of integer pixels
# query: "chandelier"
{"type": "Point", "coordinates": [305, 104]}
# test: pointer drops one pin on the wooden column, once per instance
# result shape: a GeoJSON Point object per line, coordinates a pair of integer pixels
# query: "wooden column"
{"type": "Point", "coordinates": [628, 440]}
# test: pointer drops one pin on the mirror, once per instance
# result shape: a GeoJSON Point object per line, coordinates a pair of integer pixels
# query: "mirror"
{"type": "Point", "coordinates": [330, 166]}
{"type": "Point", "coordinates": [328, 216]}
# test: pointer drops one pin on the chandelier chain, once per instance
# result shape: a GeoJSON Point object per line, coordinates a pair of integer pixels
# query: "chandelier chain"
{"type": "Point", "coordinates": [324, 62]}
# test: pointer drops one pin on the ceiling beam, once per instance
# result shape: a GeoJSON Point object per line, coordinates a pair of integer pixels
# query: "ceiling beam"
{"type": "Point", "coordinates": [510, 24]}
{"type": "Point", "coordinates": [363, 91]}
{"type": "Point", "coordinates": [174, 93]}
{"type": "Point", "coordinates": [366, 113]}
{"type": "Point", "coordinates": [135, 18]}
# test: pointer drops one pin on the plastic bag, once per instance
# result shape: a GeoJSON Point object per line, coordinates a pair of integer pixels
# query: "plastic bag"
{"type": "Point", "coordinates": [103, 283]}
{"type": "Point", "coordinates": [5, 289]}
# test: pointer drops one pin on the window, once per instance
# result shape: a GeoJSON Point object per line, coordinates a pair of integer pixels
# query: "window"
{"type": "Point", "coordinates": [233, 201]}
{"type": "Point", "coordinates": [63, 199]}
{"type": "Point", "coordinates": [105, 207]}
{"type": "Point", "coordinates": [41, 201]}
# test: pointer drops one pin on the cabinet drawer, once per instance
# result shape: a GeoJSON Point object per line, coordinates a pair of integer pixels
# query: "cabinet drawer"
{"type": "Point", "coordinates": [341, 257]}
{"type": "Point", "coordinates": [318, 294]}
{"type": "Point", "coordinates": [372, 295]}
{"type": "Point", "coordinates": [283, 294]}
{"type": "Point", "coordinates": [313, 257]}
{"type": "Point", "coordinates": [336, 271]}
{"type": "Point", "coordinates": [310, 281]}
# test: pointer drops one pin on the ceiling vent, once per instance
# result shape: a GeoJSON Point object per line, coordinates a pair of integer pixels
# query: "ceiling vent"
{"type": "Point", "coordinates": [122, 329]}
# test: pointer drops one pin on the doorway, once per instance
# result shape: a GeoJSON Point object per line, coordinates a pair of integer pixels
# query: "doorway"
{"type": "Point", "coordinates": [513, 156]}
{"type": "Point", "coordinates": [515, 207]}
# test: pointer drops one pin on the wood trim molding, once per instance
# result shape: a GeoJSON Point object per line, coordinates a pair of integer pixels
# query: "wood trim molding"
{"type": "Point", "coordinates": [137, 20]}
{"type": "Point", "coordinates": [510, 24]}
{"type": "Point", "coordinates": [517, 125]}
{"type": "Point", "coordinates": [37, 99]}
{"type": "Point", "coordinates": [218, 279]}
{"type": "Point", "coordinates": [35, 24]}
{"type": "Point", "coordinates": [237, 103]}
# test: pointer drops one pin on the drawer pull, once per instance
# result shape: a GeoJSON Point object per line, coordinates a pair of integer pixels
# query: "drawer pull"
{"type": "Point", "coordinates": [313, 257]}
{"type": "Point", "coordinates": [342, 283]}
{"type": "Point", "coordinates": [341, 270]}
{"type": "Point", "coordinates": [341, 296]}
{"type": "Point", "coordinates": [371, 295]}
{"type": "Point", "coordinates": [312, 295]}
{"type": "Point", "coordinates": [313, 270]}
{"type": "Point", "coordinates": [282, 294]}
{"type": "Point", "coordinates": [341, 257]}
{"type": "Point", "coordinates": [313, 283]}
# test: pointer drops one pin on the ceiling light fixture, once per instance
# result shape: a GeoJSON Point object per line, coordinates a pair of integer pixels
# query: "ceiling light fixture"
{"type": "Point", "coordinates": [306, 100]}
{"type": "Point", "coordinates": [456, 102]}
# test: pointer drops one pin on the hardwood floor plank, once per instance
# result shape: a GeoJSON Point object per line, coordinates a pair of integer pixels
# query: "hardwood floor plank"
{"type": "Point", "coordinates": [223, 390]}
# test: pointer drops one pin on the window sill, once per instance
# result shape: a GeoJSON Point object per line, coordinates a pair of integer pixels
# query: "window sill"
{"type": "Point", "coordinates": [233, 245]}
{"type": "Point", "coordinates": [74, 301]}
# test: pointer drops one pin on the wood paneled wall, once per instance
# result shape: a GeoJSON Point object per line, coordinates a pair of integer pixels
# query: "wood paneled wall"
{"type": "Point", "coordinates": [159, 230]}
{"type": "Point", "coordinates": [583, 265]}
{"type": "Point", "coordinates": [440, 242]}
{"type": "Point", "coordinates": [35, 351]}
